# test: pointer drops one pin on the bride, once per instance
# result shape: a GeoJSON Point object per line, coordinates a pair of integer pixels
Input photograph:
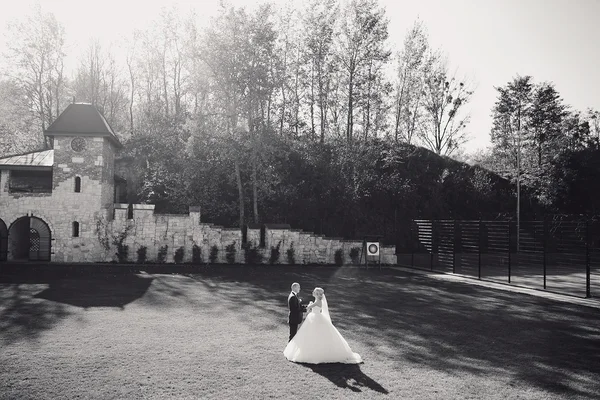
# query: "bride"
{"type": "Point", "coordinates": [317, 340]}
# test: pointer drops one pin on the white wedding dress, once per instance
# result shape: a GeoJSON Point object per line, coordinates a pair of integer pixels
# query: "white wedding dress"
{"type": "Point", "coordinates": [318, 341]}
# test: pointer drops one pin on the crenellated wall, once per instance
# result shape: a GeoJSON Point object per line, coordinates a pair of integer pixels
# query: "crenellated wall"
{"type": "Point", "coordinates": [312, 249]}
{"type": "Point", "coordinates": [154, 231]}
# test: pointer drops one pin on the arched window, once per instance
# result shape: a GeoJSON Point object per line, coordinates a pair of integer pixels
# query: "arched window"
{"type": "Point", "coordinates": [75, 229]}
{"type": "Point", "coordinates": [77, 184]}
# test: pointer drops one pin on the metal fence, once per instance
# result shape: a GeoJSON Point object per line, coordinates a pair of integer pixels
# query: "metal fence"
{"type": "Point", "coordinates": [555, 255]}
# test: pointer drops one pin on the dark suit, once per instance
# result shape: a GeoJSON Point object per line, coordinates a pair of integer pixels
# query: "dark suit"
{"type": "Point", "coordinates": [296, 313]}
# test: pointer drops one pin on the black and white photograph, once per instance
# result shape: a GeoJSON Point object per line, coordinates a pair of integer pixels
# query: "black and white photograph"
{"type": "Point", "coordinates": [300, 199]}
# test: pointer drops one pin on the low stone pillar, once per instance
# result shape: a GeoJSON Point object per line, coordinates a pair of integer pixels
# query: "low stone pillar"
{"type": "Point", "coordinates": [195, 215]}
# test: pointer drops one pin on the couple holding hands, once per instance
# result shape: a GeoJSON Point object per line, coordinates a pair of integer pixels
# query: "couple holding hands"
{"type": "Point", "coordinates": [317, 341]}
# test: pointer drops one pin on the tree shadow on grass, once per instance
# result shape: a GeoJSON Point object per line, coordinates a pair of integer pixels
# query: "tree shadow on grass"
{"type": "Point", "coordinates": [266, 287]}
{"type": "Point", "coordinates": [452, 327]}
{"type": "Point", "coordinates": [346, 376]}
{"type": "Point", "coordinates": [36, 300]}
{"type": "Point", "coordinates": [22, 317]}
{"type": "Point", "coordinates": [97, 291]}
{"type": "Point", "coordinates": [461, 328]}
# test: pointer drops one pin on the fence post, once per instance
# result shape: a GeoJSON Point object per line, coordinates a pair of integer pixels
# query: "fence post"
{"type": "Point", "coordinates": [454, 225]}
{"type": "Point", "coordinates": [545, 244]}
{"type": "Point", "coordinates": [588, 293]}
{"type": "Point", "coordinates": [509, 248]}
{"type": "Point", "coordinates": [432, 243]}
{"type": "Point", "coordinates": [479, 249]}
{"type": "Point", "coordinates": [412, 244]}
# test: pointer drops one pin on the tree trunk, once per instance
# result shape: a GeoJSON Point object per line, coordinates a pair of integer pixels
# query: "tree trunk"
{"type": "Point", "coordinates": [59, 80]}
{"type": "Point", "coordinates": [238, 176]}
{"type": "Point", "coordinates": [368, 111]}
{"type": "Point", "coordinates": [411, 129]}
{"type": "Point", "coordinates": [132, 79]}
{"type": "Point", "coordinates": [312, 101]}
{"type": "Point", "coordinates": [350, 109]}
{"type": "Point", "coordinates": [322, 102]}
{"type": "Point", "coordinates": [399, 107]}
{"type": "Point", "coordinates": [282, 110]}
{"type": "Point", "coordinates": [164, 75]}
{"type": "Point", "coordinates": [297, 96]}
{"type": "Point", "coordinates": [254, 189]}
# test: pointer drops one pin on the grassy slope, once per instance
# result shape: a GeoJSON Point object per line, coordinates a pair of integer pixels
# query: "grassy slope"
{"type": "Point", "coordinates": [221, 333]}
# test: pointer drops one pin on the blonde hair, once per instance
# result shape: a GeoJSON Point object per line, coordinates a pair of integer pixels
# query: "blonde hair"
{"type": "Point", "coordinates": [319, 292]}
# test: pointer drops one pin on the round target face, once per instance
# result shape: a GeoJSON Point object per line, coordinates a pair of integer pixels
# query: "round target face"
{"type": "Point", "coordinates": [372, 249]}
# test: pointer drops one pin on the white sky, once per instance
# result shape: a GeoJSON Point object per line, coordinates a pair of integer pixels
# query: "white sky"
{"type": "Point", "coordinates": [490, 41]}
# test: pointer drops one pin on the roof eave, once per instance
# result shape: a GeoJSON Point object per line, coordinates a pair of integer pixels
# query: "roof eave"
{"type": "Point", "coordinates": [25, 167]}
{"type": "Point", "coordinates": [107, 135]}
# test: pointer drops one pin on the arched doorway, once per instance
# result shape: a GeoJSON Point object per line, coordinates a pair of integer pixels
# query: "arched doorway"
{"type": "Point", "coordinates": [30, 239]}
{"type": "Point", "coordinates": [3, 241]}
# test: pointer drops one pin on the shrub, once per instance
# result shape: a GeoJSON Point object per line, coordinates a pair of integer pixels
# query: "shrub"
{"type": "Point", "coordinates": [291, 255]}
{"type": "Point", "coordinates": [275, 252]}
{"type": "Point", "coordinates": [354, 254]}
{"type": "Point", "coordinates": [214, 252]}
{"type": "Point", "coordinates": [252, 254]}
{"type": "Point", "coordinates": [339, 257]}
{"type": "Point", "coordinates": [230, 253]}
{"type": "Point", "coordinates": [179, 253]}
{"type": "Point", "coordinates": [122, 249]}
{"type": "Point", "coordinates": [122, 252]}
{"type": "Point", "coordinates": [162, 254]}
{"type": "Point", "coordinates": [141, 254]}
{"type": "Point", "coordinates": [196, 254]}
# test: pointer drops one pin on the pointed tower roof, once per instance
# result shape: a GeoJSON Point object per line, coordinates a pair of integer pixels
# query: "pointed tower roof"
{"type": "Point", "coordinates": [82, 119]}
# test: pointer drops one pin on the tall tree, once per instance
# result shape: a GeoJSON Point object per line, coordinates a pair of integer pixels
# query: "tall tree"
{"type": "Point", "coordinates": [98, 80]}
{"type": "Point", "coordinates": [412, 62]}
{"type": "Point", "coordinates": [547, 113]}
{"type": "Point", "coordinates": [222, 42]}
{"type": "Point", "coordinates": [18, 131]}
{"type": "Point", "coordinates": [511, 113]}
{"type": "Point", "coordinates": [239, 51]}
{"type": "Point", "coordinates": [130, 60]}
{"type": "Point", "coordinates": [444, 99]}
{"type": "Point", "coordinates": [510, 129]}
{"type": "Point", "coordinates": [36, 54]}
{"type": "Point", "coordinates": [260, 86]}
{"type": "Point", "coordinates": [319, 21]}
{"type": "Point", "coordinates": [364, 30]}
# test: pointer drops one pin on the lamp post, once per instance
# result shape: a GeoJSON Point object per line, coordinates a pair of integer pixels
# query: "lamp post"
{"type": "Point", "coordinates": [518, 188]}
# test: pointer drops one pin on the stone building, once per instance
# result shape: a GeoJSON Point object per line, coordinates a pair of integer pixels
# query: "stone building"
{"type": "Point", "coordinates": [50, 199]}
{"type": "Point", "coordinates": [61, 204]}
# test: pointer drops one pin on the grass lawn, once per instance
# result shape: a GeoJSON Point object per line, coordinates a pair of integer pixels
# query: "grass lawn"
{"type": "Point", "coordinates": [220, 333]}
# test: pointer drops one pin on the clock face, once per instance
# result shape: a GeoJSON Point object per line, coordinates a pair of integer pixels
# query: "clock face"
{"type": "Point", "coordinates": [78, 144]}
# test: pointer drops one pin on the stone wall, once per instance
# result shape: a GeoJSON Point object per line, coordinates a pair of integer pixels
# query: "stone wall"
{"type": "Point", "coordinates": [310, 248]}
{"type": "Point", "coordinates": [100, 230]}
{"type": "Point", "coordinates": [170, 231]}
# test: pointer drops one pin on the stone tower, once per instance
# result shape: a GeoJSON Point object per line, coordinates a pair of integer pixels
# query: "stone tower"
{"type": "Point", "coordinates": [51, 200]}
{"type": "Point", "coordinates": [83, 177]}
{"type": "Point", "coordinates": [84, 154]}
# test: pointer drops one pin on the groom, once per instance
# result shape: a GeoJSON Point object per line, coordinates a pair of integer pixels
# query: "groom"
{"type": "Point", "coordinates": [296, 309]}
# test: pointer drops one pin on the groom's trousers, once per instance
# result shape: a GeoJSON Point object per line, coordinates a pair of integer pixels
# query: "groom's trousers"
{"type": "Point", "coordinates": [293, 330]}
